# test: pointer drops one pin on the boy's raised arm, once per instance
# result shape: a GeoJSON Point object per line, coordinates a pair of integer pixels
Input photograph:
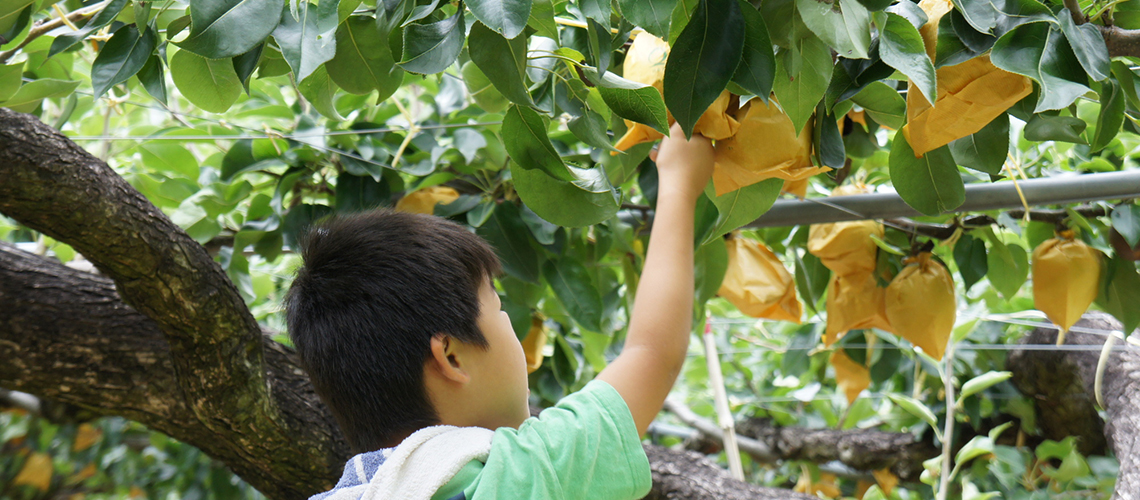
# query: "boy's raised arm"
{"type": "Point", "coordinates": [659, 330]}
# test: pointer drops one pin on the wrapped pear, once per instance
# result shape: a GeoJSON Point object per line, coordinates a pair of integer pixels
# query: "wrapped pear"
{"type": "Point", "coordinates": [846, 247]}
{"type": "Point", "coordinates": [766, 145]}
{"type": "Point", "coordinates": [850, 376]}
{"type": "Point", "coordinates": [758, 284]}
{"type": "Point", "coordinates": [855, 302]}
{"type": "Point", "coordinates": [969, 95]}
{"type": "Point", "coordinates": [921, 305]}
{"type": "Point", "coordinates": [533, 344]}
{"type": "Point", "coordinates": [1066, 278]}
{"type": "Point", "coordinates": [645, 63]}
{"type": "Point", "coordinates": [423, 201]}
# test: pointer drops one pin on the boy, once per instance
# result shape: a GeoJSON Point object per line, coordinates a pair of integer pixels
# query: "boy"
{"type": "Point", "coordinates": [397, 322]}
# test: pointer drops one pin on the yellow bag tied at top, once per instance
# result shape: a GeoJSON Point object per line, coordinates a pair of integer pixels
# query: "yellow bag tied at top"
{"type": "Point", "coordinates": [758, 284]}
{"type": "Point", "coordinates": [851, 377]}
{"type": "Point", "coordinates": [855, 302]}
{"type": "Point", "coordinates": [423, 201]}
{"type": "Point", "coordinates": [970, 94]}
{"type": "Point", "coordinates": [921, 304]}
{"type": "Point", "coordinates": [1066, 278]}
{"type": "Point", "coordinates": [846, 247]}
{"type": "Point", "coordinates": [533, 344]}
{"type": "Point", "coordinates": [645, 64]}
{"type": "Point", "coordinates": [765, 146]}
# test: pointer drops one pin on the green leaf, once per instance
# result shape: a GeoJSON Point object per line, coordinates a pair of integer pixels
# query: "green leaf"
{"type": "Point", "coordinates": [737, 208]}
{"type": "Point", "coordinates": [245, 64]}
{"type": "Point", "coordinates": [983, 16]}
{"type": "Point", "coordinates": [1121, 292]}
{"type": "Point", "coordinates": [320, 90]}
{"type": "Point", "coordinates": [505, 17]}
{"type": "Point", "coordinates": [851, 76]}
{"type": "Point", "coordinates": [598, 43]}
{"type": "Point", "coordinates": [210, 84]}
{"type": "Point", "coordinates": [227, 28]}
{"type": "Point", "coordinates": [976, 447]}
{"type": "Point", "coordinates": [598, 10]}
{"type": "Point", "coordinates": [757, 68]}
{"type": "Point", "coordinates": [1055, 128]}
{"type": "Point", "coordinates": [630, 100]}
{"type": "Point", "coordinates": [901, 47]}
{"type": "Point", "coordinates": [123, 56]}
{"type": "Point", "coordinates": [1008, 267]}
{"type": "Point", "coordinates": [802, 75]}
{"type": "Point", "coordinates": [828, 142]}
{"type": "Point", "coordinates": [309, 40]}
{"type": "Point", "coordinates": [1111, 115]}
{"type": "Point", "coordinates": [431, 48]}
{"type": "Point", "coordinates": [711, 264]}
{"type": "Point", "coordinates": [590, 128]}
{"type": "Point", "coordinates": [1039, 50]}
{"type": "Point", "coordinates": [28, 97]}
{"type": "Point", "coordinates": [930, 184]}
{"type": "Point", "coordinates": [10, 80]}
{"type": "Point", "coordinates": [916, 408]}
{"type": "Point", "coordinates": [356, 193]}
{"type": "Point", "coordinates": [153, 78]}
{"type": "Point", "coordinates": [526, 140]}
{"type": "Point", "coordinates": [570, 281]}
{"type": "Point", "coordinates": [981, 383]}
{"type": "Point", "coordinates": [364, 60]}
{"type": "Point", "coordinates": [845, 25]}
{"type": "Point", "coordinates": [565, 203]}
{"type": "Point", "coordinates": [503, 61]}
{"type": "Point", "coordinates": [970, 255]}
{"type": "Point", "coordinates": [985, 150]}
{"type": "Point", "coordinates": [509, 236]}
{"type": "Point", "coordinates": [702, 60]}
{"type": "Point", "coordinates": [1126, 221]}
{"type": "Point", "coordinates": [103, 18]}
{"type": "Point", "coordinates": [481, 89]}
{"type": "Point", "coordinates": [811, 278]}
{"type": "Point", "coordinates": [542, 19]}
{"type": "Point", "coordinates": [1088, 45]}
{"type": "Point", "coordinates": [11, 11]}
{"type": "Point", "coordinates": [240, 159]}
{"type": "Point", "coordinates": [651, 15]}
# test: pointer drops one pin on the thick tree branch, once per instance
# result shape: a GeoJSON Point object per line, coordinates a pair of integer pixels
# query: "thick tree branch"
{"type": "Point", "coordinates": [52, 185]}
{"type": "Point", "coordinates": [65, 335]}
{"type": "Point", "coordinates": [1121, 42]}
{"type": "Point", "coordinates": [687, 475]}
{"type": "Point", "coordinates": [1065, 409]}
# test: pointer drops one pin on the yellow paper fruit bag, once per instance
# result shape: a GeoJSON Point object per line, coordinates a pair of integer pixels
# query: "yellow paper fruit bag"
{"type": "Point", "coordinates": [533, 344]}
{"type": "Point", "coordinates": [826, 485]}
{"type": "Point", "coordinates": [970, 94]}
{"type": "Point", "coordinates": [1066, 278]}
{"type": "Point", "coordinates": [765, 146]}
{"type": "Point", "coordinates": [846, 247]}
{"type": "Point", "coordinates": [423, 201]}
{"type": "Point", "coordinates": [921, 304]}
{"type": "Point", "coordinates": [851, 377]}
{"type": "Point", "coordinates": [855, 302]}
{"type": "Point", "coordinates": [645, 64]}
{"type": "Point", "coordinates": [758, 284]}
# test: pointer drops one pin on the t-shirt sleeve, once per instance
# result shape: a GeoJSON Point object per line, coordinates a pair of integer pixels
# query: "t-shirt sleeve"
{"type": "Point", "coordinates": [586, 446]}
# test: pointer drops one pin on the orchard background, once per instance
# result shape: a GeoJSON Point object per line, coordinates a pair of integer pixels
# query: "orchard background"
{"type": "Point", "coordinates": [159, 159]}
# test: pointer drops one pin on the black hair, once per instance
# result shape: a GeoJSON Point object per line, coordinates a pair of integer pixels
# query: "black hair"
{"type": "Point", "coordinates": [373, 290]}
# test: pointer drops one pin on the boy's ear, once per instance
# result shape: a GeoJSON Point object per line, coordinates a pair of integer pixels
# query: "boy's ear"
{"type": "Point", "coordinates": [446, 358]}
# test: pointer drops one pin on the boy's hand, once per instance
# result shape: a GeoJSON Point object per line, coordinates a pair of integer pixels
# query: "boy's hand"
{"type": "Point", "coordinates": [684, 166]}
{"type": "Point", "coordinates": [663, 310]}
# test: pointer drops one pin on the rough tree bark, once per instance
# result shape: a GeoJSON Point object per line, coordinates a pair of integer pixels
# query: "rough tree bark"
{"type": "Point", "coordinates": [1066, 409]}
{"type": "Point", "coordinates": [165, 339]}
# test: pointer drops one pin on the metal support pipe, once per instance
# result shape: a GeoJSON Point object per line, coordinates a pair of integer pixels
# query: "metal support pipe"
{"type": "Point", "coordinates": [1057, 190]}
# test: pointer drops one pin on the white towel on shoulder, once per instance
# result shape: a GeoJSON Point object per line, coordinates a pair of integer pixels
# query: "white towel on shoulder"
{"type": "Point", "coordinates": [421, 464]}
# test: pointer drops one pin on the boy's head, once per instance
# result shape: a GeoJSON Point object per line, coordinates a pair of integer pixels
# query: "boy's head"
{"type": "Point", "coordinates": [396, 321]}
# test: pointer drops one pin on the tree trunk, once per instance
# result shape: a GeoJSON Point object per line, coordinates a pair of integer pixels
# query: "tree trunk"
{"type": "Point", "coordinates": [1061, 384]}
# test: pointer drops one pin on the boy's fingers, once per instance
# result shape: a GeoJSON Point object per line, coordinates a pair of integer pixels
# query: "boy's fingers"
{"type": "Point", "coordinates": [653, 153]}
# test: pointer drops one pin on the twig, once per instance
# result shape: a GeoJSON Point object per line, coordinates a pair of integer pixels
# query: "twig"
{"type": "Point", "coordinates": [46, 27]}
{"type": "Point", "coordinates": [1074, 7]}
{"type": "Point", "coordinates": [948, 433]}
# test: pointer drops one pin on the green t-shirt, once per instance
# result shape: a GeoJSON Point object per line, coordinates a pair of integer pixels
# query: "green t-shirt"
{"type": "Point", "coordinates": [586, 446]}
